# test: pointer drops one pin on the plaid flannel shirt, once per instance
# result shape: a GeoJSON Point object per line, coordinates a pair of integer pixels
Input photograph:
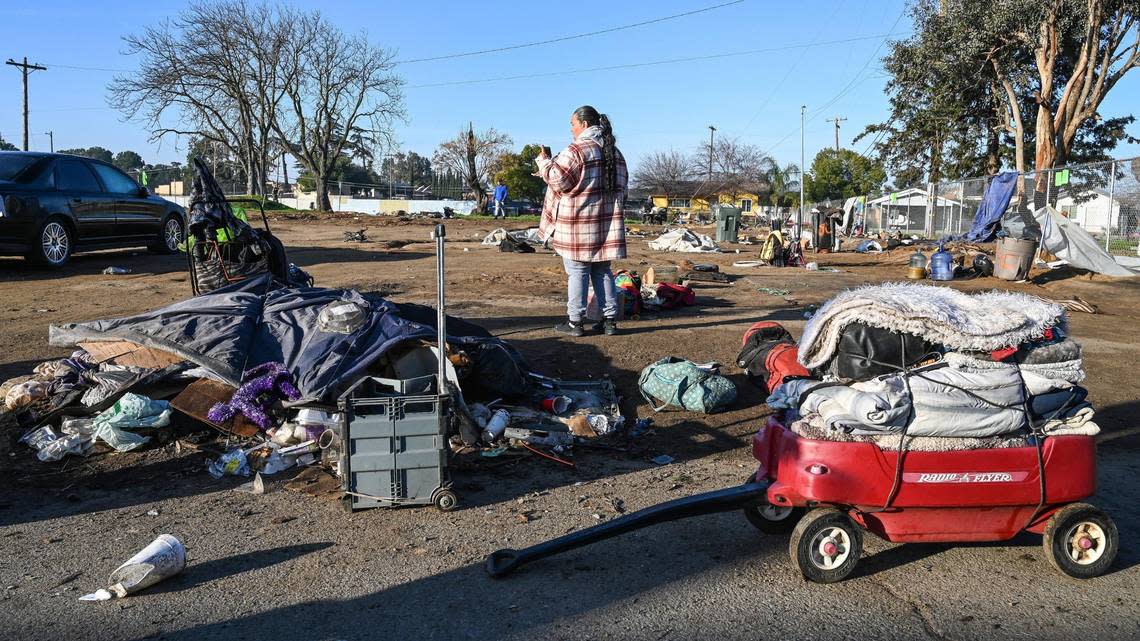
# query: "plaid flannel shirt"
{"type": "Point", "coordinates": [582, 220]}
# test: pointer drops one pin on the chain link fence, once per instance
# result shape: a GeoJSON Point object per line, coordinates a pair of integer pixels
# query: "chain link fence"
{"type": "Point", "coordinates": [1103, 198]}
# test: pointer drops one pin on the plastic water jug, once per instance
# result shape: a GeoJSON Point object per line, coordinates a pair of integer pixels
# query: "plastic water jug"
{"type": "Point", "coordinates": [917, 266]}
{"type": "Point", "coordinates": [942, 265]}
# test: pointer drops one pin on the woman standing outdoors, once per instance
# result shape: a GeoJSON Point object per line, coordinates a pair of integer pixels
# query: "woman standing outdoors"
{"type": "Point", "coordinates": [582, 216]}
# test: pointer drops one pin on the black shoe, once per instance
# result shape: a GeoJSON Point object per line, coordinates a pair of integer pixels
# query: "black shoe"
{"type": "Point", "coordinates": [570, 327]}
{"type": "Point", "coordinates": [607, 327]}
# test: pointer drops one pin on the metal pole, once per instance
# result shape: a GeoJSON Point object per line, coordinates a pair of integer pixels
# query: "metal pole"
{"type": "Point", "coordinates": [441, 315]}
{"type": "Point", "coordinates": [26, 69]}
{"type": "Point", "coordinates": [51, 140]}
{"type": "Point", "coordinates": [1111, 199]}
{"type": "Point", "coordinates": [712, 132]}
{"type": "Point", "coordinates": [803, 175]}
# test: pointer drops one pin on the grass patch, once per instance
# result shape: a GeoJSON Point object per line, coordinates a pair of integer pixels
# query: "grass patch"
{"type": "Point", "coordinates": [268, 203]}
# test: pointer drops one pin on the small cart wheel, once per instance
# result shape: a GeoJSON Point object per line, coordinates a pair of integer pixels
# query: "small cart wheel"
{"type": "Point", "coordinates": [446, 500]}
{"type": "Point", "coordinates": [826, 545]}
{"type": "Point", "coordinates": [1081, 541]}
{"type": "Point", "coordinates": [770, 518]}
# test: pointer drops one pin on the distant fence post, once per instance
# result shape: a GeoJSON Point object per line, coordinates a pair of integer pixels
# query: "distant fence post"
{"type": "Point", "coordinates": [1111, 200]}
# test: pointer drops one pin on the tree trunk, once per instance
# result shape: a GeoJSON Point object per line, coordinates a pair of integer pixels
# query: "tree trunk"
{"type": "Point", "coordinates": [322, 190]}
{"type": "Point", "coordinates": [993, 140]}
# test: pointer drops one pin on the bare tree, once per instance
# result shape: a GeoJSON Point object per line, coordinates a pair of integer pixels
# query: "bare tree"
{"type": "Point", "coordinates": [664, 172]}
{"type": "Point", "coordinates": [475, 157]}
{"type": "Point", "coordinates": [338, 86]}
{"type": "Point", "coordinates": [738, 168]}
{"type": "Point", "coordinates": [211, 72]}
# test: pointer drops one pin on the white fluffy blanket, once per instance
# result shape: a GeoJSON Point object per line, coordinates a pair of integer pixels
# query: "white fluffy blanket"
{"type": "Point", "coordinates": [973, 322]}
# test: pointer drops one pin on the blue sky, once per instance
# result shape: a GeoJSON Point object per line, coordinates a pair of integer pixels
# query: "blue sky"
{"type": "Point", "coordinates": [755, 96]}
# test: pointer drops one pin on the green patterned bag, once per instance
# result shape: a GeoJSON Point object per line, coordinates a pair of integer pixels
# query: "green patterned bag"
{"type": "Point", "coordinates": [676, 381]}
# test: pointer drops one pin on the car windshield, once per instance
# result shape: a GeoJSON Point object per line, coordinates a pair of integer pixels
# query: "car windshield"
{"type": "Point", "coordinates": [12, 165]}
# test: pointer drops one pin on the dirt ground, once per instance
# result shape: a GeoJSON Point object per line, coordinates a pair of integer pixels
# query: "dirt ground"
{"type": "Point", "coordinates": [294, 565]}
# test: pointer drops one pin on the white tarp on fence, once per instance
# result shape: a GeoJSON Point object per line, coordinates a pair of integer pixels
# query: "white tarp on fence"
{"type": "Point", "coordinates": [1066, 240]}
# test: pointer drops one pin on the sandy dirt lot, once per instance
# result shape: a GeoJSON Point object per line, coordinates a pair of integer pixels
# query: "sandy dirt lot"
{"type": "Point", "coordinates": [294, 565]}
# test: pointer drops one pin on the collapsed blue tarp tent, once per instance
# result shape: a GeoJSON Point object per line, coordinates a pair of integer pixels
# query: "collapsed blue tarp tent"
{"type": "Point", "coordinates": [994, 203]}
{"type": "Point", "coordinates": [234, 329]}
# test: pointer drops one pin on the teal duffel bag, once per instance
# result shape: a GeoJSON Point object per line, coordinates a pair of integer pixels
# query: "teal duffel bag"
{"type": "Point", "coordinates": [676, 381]}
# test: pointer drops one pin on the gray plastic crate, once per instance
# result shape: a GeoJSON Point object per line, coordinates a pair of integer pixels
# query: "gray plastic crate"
{"type": "Point", "coordinates": [395, 445]}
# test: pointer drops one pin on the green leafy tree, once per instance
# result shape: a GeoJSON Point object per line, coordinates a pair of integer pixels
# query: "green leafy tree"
{"type": "Point", "coordinates": [97, 153]}
{"type": "Point", "coordinates": [982, 84]}
{"type": "Point", "coordinates": [7, 146]}
{"type": "Point", "coordinates": [517, 173]}
{"type": "Point", "coordinates": [128, 161]}
{"type": "Point", "coordinates": [836, 175]}
{"type": "Point", "coordinates": [781, 180]}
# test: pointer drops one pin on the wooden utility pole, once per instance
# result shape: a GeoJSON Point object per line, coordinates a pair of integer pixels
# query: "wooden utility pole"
{"type": "Point", "coordinates": [836, 120]}
{"type": "Point", "coordinates": [26, 69]}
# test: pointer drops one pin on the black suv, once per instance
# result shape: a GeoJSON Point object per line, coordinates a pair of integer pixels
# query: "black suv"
{"type": "Point", "coordinates": [54, 204]}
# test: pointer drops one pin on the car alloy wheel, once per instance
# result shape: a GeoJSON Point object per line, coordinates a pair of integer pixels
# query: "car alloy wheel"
{"type": "Point", "coordinates": [172, 233]}
{"type": "Point", "coordinates": [55, 243]}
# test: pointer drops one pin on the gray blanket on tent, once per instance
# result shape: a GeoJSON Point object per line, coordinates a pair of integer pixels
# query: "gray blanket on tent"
{"type": "Point", "coordinates": [230, 331]}
{"type": "Point", "coordinates": [1066, 240]}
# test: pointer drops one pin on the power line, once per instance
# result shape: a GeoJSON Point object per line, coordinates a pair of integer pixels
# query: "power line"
{"type": "Point", "coordinates": [850, 85]}
{"type": "Point", "coordinates": [546, 74]}
{"type": "Point", "coordinates": [573, 37]}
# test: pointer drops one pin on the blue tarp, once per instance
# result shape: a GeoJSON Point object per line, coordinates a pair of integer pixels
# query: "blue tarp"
{"type": "Point", "coordinates": [228, 331]}
{"type": "Point", "coordinates": [994, 203]}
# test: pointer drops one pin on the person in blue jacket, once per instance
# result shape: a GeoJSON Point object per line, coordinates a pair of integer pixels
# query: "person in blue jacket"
{"type": "Point", "coordinates": [500, 199]}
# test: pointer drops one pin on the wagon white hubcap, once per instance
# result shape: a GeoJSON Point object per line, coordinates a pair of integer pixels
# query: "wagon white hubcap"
{"type": "Point", "coordinates": [54, 242]}
{"type": "Point", "coordinates": [1086, 543]}
{"type": "Point", "coordinates": [774, 512]}
{"type": "Point", "coordinates": [830, 548]}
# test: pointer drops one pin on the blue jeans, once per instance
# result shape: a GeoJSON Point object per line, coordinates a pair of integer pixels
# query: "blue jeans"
{"type": "Point", "coordinates": [579, 276]}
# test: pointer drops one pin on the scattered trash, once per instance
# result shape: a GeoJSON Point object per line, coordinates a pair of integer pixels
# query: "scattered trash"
{"type": "Point", "coordinates": [683, 240]}
{"type": "Point", "coordinates": [116, 271]}
{"type": "Point", "coordinates": [25, 394]}
{"type": "Point", "coordinates": [263, 385]}
{"type": "Point", "coordinates": [495, 452]}
{"type": "Point", "coordinates": [1076, 304]}
{"type": "Point", "coordinates": [555, 404]}
{"type": "Point", "coordinates": [233, 463]}
{"type": "Point", "coordinates": [256, 486]}
{"type": "Point", "coordinates": [640, 427]}
{"type": "Point", "coordinates": [663, 459]}
{"type": "Point", "coordinates": [162, 559]}
{"type": "Point", "coordinates": [774, 291]}
{"type": "Point", "coordinates": [748, 263]}
{"type": "Point", "coordinates": [131, 411]}
{"type": "Point", "coordinates": [496, 426]}
{"type": "Point", "coordinates": [355, 236]}
{"type": "Point", "coordinates": [812, 267]}
{"type": "Point", "coordinates": [152, 512]}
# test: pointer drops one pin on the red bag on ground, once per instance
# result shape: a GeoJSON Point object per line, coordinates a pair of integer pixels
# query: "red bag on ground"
{"type": "Point", "coordinates": [674, 296]}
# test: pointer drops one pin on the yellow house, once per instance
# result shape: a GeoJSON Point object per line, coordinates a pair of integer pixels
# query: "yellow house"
{"type": "Point", "coordinates": [693, 196]}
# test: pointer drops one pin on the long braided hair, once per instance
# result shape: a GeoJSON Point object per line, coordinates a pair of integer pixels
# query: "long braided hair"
{"type": "Point", "coordinates": [591, 118]}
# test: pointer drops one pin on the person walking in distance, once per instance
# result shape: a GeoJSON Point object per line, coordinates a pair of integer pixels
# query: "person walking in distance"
{"type": "Point", "coordinates": [500, 199]}
{"type": "Point", "coordinates": [582, 215]}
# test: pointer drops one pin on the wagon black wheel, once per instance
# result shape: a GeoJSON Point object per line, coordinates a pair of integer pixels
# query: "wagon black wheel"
{"type": "Point", "coordinates": [826, 545]}
{"type": "Point", "coordinates": [770, 518]}
{"type": "Point", "coordinates": [1081, 541]}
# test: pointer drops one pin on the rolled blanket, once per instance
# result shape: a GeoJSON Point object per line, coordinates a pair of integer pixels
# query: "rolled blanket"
{"type": "Point", "coordinates": [1044, 376]}
{"type": "Point", "coordinates": [870, 406]}
{"type": "Point", "coordinates": [973, 322]}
